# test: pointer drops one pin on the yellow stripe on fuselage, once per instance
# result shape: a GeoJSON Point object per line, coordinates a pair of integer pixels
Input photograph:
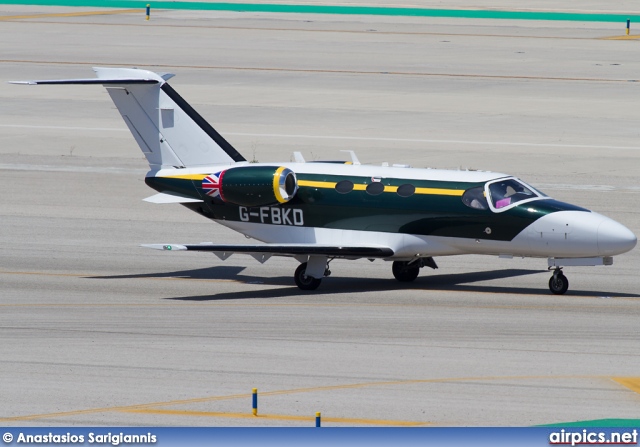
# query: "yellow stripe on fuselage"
{"type": "Point", "coordinates": [186, 176]}
{"type": "Point", "coordinates": [331, 185]}
{"type": "Point", "coordinates": [313, 184]}
{"type": "Point", "coordinates": [438, 191]}
{"type": "Point", "coordinates": [362, 187]}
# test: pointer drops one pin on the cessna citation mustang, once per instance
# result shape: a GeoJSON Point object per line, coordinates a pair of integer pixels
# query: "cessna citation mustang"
{"type": "Point", "coordinates": [316, 212]}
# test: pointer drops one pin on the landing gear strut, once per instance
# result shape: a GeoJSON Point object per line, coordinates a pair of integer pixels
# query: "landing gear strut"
{"type": "Point", "coordinates": [558, 284]}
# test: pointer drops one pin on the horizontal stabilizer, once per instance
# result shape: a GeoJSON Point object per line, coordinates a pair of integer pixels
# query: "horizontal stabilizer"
{"type": "Point", "coordinates": [170, 198]}
{"type": "Point", "coordinates": [283, 249]}
{"type": "Point", "coordinates": [88, 82]}
{"type": "Point", "coordinates": [109, 76]}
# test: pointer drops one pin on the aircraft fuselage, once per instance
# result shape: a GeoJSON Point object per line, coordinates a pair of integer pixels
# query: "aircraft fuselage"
{"type": "Point", "coordinates": [416, 212]}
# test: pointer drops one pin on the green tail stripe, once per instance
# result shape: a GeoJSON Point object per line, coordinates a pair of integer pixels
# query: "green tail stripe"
{"type": "Point", "coordinates": [349, 10]}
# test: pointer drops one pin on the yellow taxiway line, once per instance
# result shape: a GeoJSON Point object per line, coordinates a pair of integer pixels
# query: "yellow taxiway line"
{"type": "Point", "coordinates": [279, 417]}
{"type": "Point", "coordinates": [625, 37]}
{"type": "Point", "coordinates": [632, 383]}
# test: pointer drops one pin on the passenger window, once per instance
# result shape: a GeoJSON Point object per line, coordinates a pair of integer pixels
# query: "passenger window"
{"type": "Point", "coordinates": [406, 190]}
{"type": "Point", "coordinates": [375, 188]}
{"type": "Point", "coordinates": [507, 192]}
{"type": "Point", "coordinates": [475, 198]}
{"type": "Point", "coordinates": [344, 187]}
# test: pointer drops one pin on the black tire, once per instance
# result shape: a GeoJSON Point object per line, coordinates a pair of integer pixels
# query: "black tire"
{"type": "Point", "coordinates": [405, 272]}
{"type": "Point", "coordinates": [558, 284]}
{"type": "Point", "coordinates": [303, 281]}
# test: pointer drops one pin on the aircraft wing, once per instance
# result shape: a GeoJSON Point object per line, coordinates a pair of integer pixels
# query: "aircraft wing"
{"type": "Point", "coordinates": [262, 252]}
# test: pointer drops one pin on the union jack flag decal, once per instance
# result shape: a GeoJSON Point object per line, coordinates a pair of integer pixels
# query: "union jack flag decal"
{"type": "Point", "coordinates": [212, 185]}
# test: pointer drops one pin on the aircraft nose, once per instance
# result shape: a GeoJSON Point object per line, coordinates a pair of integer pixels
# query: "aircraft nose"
{"type": "Point", "coordinates": [579, 234]}
{"type": "Point", "coordinates": [614, 238]}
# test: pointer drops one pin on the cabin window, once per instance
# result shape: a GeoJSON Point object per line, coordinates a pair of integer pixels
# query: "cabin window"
{"type": "Point", "coordinates": [344, 187]}
{"type": "Point", "coordinates": [375, 188]}
{"type": "Point", "coordinates": [475, 198]}
{"type": "Point", "coordinates": [406, 190]}
{"type": "Point", "coordinates": [509, 191]}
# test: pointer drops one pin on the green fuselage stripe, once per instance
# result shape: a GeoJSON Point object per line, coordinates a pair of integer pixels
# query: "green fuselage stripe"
{"type": "Point", "coordinates": [434, 209]}
{"type": "Point", "coordinates": [344, 10]}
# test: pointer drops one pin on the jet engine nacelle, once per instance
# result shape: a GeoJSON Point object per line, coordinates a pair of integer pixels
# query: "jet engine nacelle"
{"type": "Point", "coordinates": [253, 185]}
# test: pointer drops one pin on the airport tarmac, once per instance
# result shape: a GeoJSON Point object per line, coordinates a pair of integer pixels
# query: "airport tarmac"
{"type": "Point", "coordinates": [97, 331]}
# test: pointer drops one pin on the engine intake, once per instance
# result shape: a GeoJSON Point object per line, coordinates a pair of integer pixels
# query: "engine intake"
{"type": "Point", "coordinates": [252, 185]}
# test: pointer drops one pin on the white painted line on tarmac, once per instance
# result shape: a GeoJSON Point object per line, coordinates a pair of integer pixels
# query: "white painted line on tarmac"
{"type": "Point", "coordinates": [340, 137]}
{"type": "Point", "coordinates": [592, 188]}
{"type": "Point", "coordinates": [26, 126]}
{"type": "Point", "coordinates": [420, 140]}
{"type": "Point", "coordinates": [83, 169]}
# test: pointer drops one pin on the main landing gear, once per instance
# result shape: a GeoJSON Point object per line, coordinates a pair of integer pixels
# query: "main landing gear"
{"type": "Point", "coordinates": [407, 271]}
{"type": "Point", "coordinates": [305, 282]}
{"type": "Point", "coordinates": [403, 271]}
{"type": "Point", "coordinates": [558, 284]}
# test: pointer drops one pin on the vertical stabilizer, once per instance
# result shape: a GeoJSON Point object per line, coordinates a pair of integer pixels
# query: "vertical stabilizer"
{"type": "Point", "coordinates": [168, 130]}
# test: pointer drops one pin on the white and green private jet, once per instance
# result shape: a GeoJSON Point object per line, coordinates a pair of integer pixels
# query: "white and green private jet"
{"type": "Point", "coordinates": [316, 212]}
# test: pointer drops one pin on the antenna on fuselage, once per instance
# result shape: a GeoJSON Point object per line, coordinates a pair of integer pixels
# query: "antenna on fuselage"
{"type": "Point", "coordinates": [298, 158]}
{"type": "Point", "coordinates": [354, 158]}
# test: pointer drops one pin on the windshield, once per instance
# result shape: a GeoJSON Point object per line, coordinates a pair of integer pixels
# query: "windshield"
{"type": "Point", "coordinates": [507, 192]}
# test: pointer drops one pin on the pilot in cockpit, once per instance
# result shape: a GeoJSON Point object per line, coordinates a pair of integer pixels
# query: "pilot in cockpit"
{"type": "Point", "coordinates": [501, 194]}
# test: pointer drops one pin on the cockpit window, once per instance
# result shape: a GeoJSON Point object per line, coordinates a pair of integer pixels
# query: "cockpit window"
{"type": "Point", "coordinates": [507, 192]}
{"type": "Point", "coordinates": [475, 198]}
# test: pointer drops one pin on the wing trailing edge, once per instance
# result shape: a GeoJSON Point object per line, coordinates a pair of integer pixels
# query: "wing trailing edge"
{"type": "Point", "coordinates": [224, 251]}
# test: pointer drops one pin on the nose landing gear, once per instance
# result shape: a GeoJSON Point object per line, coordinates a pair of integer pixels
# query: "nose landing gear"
{"type": "Point", "coordinates": [558, 283]}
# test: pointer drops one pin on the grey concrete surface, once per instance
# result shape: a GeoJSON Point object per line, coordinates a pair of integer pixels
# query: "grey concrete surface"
{"type": "Point", "coordinates": [94, 330]}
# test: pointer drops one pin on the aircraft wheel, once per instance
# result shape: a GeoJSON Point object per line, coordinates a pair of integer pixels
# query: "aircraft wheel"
{"type": "Point", "coordinates": [558, 284]}
{"type": "Point", "coordinates": [405, 272]}
{"type": "Point", "coordinates": [303, 281]}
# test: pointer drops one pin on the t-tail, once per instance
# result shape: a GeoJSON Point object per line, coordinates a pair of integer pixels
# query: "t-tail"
{"type": "Point", "coordinates": [170, 133]}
